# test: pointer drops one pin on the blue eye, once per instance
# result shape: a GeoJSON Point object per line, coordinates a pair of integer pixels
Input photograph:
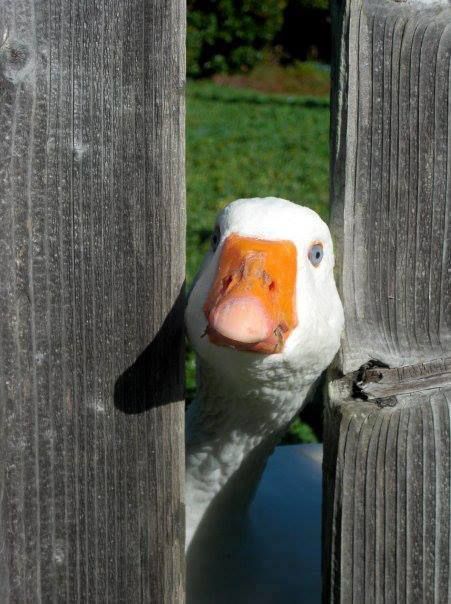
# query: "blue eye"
{"type": "Point", "coordinates": [316, 253]}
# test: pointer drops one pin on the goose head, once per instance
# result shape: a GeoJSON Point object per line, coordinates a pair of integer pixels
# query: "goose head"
{"type": "Point", "coordinates": [265, 319]}
{"type": "Point", "coordinates": [264, 314]}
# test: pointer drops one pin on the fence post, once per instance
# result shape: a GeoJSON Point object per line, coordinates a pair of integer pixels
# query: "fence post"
{"type": "Point", "coordinates": [92, 224]}
{"type": "Point", "coordinates": [387, 430]}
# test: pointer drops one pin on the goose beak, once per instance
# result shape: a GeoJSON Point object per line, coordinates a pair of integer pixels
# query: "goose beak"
{"type": "Point", "coordinates": [251, 304]}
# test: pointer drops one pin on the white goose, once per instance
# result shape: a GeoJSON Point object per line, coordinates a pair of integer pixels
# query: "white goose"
{"type": "Point", "coordinates": [265, 320]}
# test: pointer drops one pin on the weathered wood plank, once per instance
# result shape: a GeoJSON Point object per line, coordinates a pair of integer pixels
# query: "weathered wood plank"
{"type": "Point", "coordinates": [387, 458]}
{"type": "Point", "coordinates": [390, 173]}
{"type": "Point", "coordinates": [92, 225]}
{"type": "Point", "coordinates": [387, 521]}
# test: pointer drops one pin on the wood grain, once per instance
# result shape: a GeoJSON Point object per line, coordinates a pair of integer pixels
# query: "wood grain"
{"type": "Point", "coordinates": [379, 383]}
{"type": "Point", "coordinates": [387, 488]}
{"type": "Point", "coordinates": [92, 224]}
{"type": "Point", "coordinates": [390, 186]}
{"type": "Point", "coordinates": [383, 383]}
{"type": "Point", "coordinates": [387, 459]}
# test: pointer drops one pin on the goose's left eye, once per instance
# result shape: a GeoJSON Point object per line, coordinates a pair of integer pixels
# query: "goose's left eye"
{"type": "Point", "coordinates": [316, 253]}
{"type": "Point", "coordinates": [216, 236]}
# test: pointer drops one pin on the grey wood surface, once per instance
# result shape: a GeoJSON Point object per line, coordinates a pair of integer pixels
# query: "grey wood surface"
{"type": "Point", "coordinates": [92, 224]}
{"type": "Point", "coordinates": [387, 459]}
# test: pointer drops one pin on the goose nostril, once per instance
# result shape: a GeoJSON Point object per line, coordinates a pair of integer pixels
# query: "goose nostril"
{"type": "Point", "coordinates": [272, 286]}
{"type": "Point", "coordinates": [226, 283]}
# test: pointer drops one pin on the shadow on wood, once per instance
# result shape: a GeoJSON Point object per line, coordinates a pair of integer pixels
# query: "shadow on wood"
{"type": "Point", "coordinates": [144, 385]}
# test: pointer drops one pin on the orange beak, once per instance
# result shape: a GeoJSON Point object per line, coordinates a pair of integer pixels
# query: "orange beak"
{"type": "Point", "coordinates": [251, 304]}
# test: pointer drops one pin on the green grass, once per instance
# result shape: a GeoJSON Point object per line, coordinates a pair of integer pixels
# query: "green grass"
{"type": "Point", "coordinates": [243, 143]}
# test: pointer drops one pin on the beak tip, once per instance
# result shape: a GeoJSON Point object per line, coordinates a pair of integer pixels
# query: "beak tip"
{"type": "Point", "coordinates": [242, 320]}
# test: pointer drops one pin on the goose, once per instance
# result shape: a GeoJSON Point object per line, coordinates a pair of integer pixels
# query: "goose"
{"type": "Point", "coordinates": [265, 320]}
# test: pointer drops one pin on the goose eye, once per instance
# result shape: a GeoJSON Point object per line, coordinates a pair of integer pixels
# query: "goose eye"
{"type": "Point", "coordinates": [316, 254]}
{"type": "Point", "coordinates": [215, 238]}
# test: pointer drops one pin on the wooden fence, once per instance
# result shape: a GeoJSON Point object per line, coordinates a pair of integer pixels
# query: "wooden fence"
{"type": "Point", "coordinates": [387, 444]}
{"type": "Point", "coordinates": [92, 246]}
{"type": "Point", "coordinates": [92, 224]}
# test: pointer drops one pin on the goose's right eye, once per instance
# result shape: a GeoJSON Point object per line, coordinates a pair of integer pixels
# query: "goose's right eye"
{"type": "Point", "coordinates": [216, 236]}
{"type": "Point", "coordinates": [316, 253]}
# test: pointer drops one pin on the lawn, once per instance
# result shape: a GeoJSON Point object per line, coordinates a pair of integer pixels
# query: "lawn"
{"type": "Point", "coordinates": [244, 143]}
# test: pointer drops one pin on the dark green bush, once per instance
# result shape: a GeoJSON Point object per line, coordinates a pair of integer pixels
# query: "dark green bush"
{"type": "Point", "coordinates": [305, 34]}
{"type": "Point", "coordinates": [230, 35]}
{"type": "Point", "coordinates": [316, 4]}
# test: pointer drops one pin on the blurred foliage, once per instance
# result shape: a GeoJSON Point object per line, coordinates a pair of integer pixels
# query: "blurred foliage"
{"type": "Point", "coordinates": [316, 4]}
{"type": "Point", "coordinates": [299, 432]}
{"type": "Point", "coordinates": [306, 32]}
{"type": "Point", "coordinates": [228, 35]}
{"type": "Point", "coordinates": [242, 143]}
